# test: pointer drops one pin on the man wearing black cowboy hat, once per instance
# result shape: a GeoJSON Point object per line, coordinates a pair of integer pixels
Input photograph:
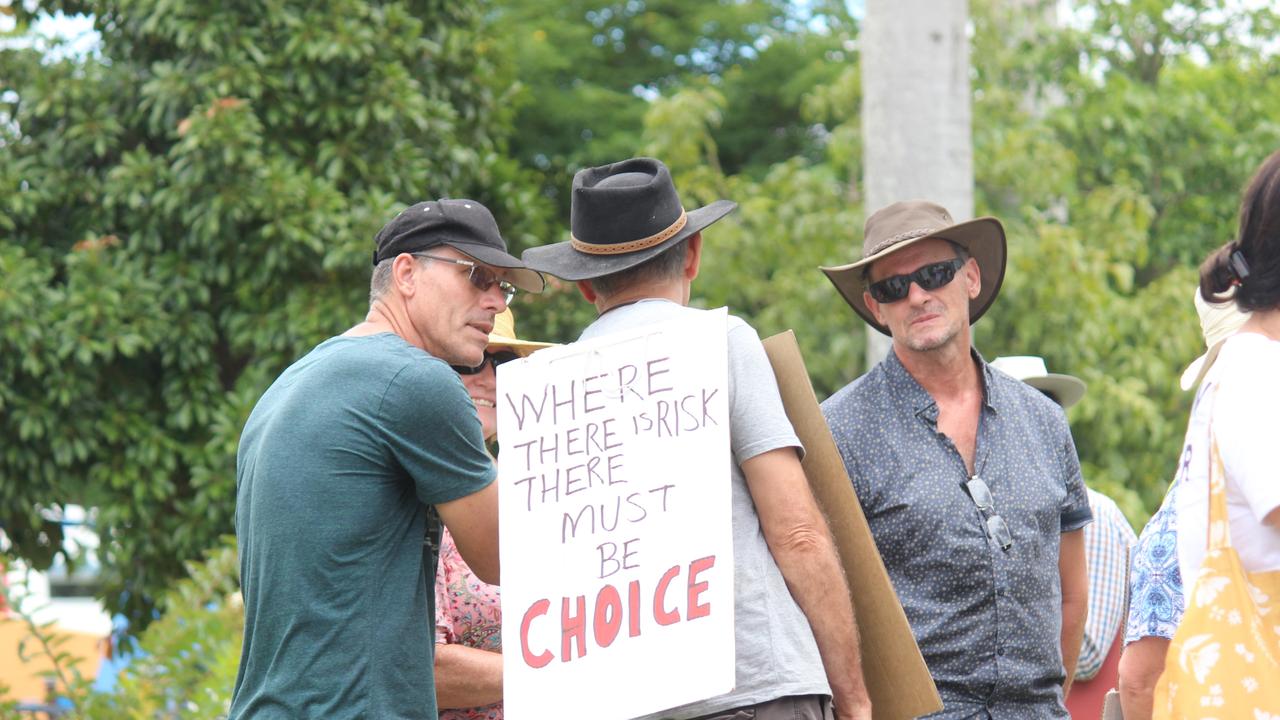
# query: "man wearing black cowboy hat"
{"type": "Point", "coordinates": [969, 479]}
{"type": "Point", "coordinates": [341, 458]}
{"type": "Point", "coordinates": [634, 253]}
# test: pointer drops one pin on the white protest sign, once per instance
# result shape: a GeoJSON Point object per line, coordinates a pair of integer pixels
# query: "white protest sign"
{"type": "Point", "coordinates": [617, 549]}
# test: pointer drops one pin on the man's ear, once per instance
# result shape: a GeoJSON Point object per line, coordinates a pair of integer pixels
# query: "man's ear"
{"type": "Point", "coordinates": [973, 277]}
{"type": "Point", "coordinates": [403, 270]}
{"type": "Point", "coordinates": [693, 258]}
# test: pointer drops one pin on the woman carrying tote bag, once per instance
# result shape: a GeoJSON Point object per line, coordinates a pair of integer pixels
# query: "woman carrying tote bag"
{"type": "Point", "coordinates": [1224, 660]}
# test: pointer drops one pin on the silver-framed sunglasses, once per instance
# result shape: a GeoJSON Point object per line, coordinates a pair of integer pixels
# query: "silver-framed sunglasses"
{"type": "Point", "coordinates": [482, 277]}
{"type": "Point", "coordinates": [997, 528]}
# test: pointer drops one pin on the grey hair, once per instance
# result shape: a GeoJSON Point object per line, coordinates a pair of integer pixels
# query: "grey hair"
{"type": "Point", "coordinates": [380, 281]}
{"type": "Point", "coordinates": [663, 266]}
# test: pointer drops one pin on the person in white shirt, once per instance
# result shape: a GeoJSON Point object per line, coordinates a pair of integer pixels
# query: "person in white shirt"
{"type": "Point", "coordinates": [1240, 394]}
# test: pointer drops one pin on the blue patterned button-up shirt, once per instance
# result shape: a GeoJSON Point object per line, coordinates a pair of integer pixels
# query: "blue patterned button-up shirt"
{"type": "Point", "coordinates": [988, 621]}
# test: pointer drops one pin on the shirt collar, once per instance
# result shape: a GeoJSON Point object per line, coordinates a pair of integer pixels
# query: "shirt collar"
{"type": "Point", "coordinates": [910, 394]}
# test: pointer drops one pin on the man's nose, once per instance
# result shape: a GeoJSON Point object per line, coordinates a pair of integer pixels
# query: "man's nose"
{"type": "Point", "coordinates": [494, 298]}
{"type": "Point", "coordinates": [917, 295]}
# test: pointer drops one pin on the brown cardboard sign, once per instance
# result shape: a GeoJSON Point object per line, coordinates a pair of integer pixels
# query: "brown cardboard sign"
{"type": "Point", "coordinates": [895, 673]}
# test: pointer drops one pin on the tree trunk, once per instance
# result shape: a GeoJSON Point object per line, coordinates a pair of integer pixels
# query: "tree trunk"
{"type": "Point", "coordinates": [916, 122]}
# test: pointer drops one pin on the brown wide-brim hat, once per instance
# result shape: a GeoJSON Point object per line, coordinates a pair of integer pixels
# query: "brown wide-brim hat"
{"type": "Point", "coordinates": [621, 215]}
{"type": "Point", "coordinates": [908, 222]}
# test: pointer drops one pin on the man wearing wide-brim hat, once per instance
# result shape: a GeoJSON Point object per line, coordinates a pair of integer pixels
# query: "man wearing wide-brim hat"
{"type": "Point", "coordinates": [634, 253]}
{"type": "Point", "coordinates": [969, 479]}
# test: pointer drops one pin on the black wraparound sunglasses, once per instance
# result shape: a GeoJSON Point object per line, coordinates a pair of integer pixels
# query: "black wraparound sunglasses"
{"type": "Point", "coordinates": [929, 277]}
{"type": "Point", "coordinates": [495, 359]}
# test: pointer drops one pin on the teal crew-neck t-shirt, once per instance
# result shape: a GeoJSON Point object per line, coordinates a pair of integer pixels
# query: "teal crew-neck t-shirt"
{"type": "Point", "coordinates": [336, 467]}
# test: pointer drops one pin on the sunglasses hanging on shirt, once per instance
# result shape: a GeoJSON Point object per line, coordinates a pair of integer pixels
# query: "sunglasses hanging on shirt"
{"type": "Point", "coordinates": [997, 528]}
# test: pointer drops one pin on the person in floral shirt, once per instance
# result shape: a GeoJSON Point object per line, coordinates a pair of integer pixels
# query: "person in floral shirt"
{"type": "Point", "coordinates": [468, 665]}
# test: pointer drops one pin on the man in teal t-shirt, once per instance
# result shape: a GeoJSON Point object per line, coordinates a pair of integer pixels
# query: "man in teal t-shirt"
{"type": "Point", "coordinates": [338, 463]}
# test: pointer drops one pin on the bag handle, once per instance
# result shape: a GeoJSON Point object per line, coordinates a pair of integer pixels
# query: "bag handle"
{"type": "Point", "coordinates": [1219, 529]}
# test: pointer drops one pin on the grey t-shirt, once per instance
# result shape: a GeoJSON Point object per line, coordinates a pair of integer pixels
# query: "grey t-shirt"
{"type": "Point", "coordinates": [336, 466]}
{"type": "Point", "coordinates": [776, 653]}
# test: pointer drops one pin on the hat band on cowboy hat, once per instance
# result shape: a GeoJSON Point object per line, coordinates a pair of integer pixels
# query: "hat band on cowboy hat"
{"type": "Point", "coordinates": [622, 215]}
{"type": "Point", "coordinates": [905, 223]}
{"type": "Point", "coordinates": [634, 245]}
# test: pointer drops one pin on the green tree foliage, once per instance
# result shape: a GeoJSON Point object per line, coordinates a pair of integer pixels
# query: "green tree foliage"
{"type": "Point", "coordinates": [761, 83]}
{"type": "Point", "coordinates": [1116, 153]}
{"type": "Point", "coordinates": [762, 260]}
{"type": "Point", "coordinates": [186, 211]}
{"type": "Point", "coordinates": [188, 659]}
{"type": "Point", "coordinates": [587, 69]}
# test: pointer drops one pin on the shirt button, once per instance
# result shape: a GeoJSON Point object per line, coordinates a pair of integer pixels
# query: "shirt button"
{"type": "Point", "coordinates": [1000, 651]}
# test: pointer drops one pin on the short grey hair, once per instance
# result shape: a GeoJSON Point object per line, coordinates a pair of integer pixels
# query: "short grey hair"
{"type": "Point", "coordinates": [380, 281]}
{"type": "Point", "coordinates": [664, 265]}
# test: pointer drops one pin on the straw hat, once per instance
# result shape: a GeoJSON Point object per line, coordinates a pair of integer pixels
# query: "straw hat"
{"type": "Point", "coordinates": [504, 335]}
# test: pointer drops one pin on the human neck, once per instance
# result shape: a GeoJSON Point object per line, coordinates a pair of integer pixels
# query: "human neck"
{"type": "Point", "coordinates": [676, 292]}
{"type": "Point", "coordinates": [383, 318]}
{"type": "Point", "coordinates": [943, 373]}
{"type": "Point", "coordinates": [1264, 322]}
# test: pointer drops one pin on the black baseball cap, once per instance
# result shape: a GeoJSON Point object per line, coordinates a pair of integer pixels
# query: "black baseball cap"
{"type": "Point", "coordinates": [464, 225]}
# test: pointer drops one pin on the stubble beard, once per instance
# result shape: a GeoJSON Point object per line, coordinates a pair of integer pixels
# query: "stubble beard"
{"type": "Point", "coordinates": [933, 340]}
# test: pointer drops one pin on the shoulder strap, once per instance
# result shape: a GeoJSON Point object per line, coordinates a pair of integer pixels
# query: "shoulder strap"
{"type": "Point", "coordinates": [1219, 518]}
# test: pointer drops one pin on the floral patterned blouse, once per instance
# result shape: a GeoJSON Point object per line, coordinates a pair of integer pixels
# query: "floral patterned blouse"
{"type": "Point", "coordinates": [1155, 582]}
{"type": "Point", "coordinates": [468, 612]}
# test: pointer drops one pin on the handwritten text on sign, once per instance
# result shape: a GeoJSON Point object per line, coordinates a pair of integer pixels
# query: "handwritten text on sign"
{"type": "Point", "coordinates": [616, 538]}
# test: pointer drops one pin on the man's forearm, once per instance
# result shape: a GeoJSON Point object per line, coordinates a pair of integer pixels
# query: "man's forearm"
{"type": "Point", "coordinates": [1074, 578]}
{"type": "Point", "coordinates": [801, 544]}
{"type": "Point", "coordinates": [811, 568]}
{"type": "Point", "coordinates": [1073, 615]}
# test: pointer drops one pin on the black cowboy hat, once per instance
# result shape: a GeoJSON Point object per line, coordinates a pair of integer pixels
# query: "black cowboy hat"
{"type": "Point", "coordinates": [621, 215]}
